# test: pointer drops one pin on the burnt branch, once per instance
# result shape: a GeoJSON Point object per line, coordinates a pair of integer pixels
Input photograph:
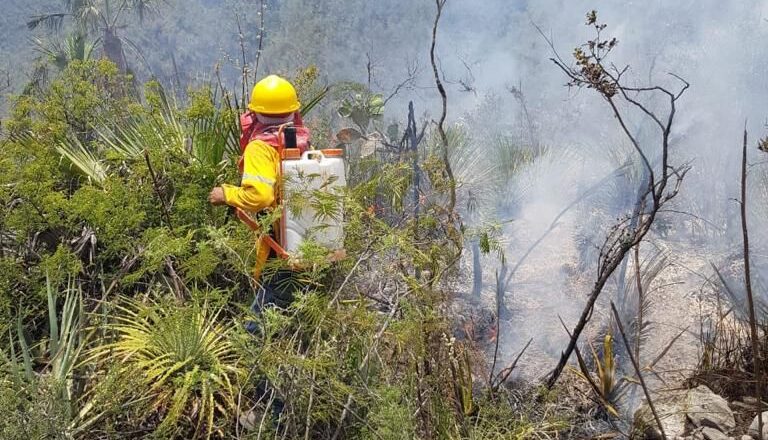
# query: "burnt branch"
{"type": "Point", "coordinates": [444, 100]}
{"type": "Point", "coordinates": [412, 73]}
{"type": "Point", "coordinates": [591, 71]}
{"type": "Point", "coordinates": [504, 374]}
{"type": "Point", "coordinates": [754, 335]}
{"type": "Point", "coordinates": [156, 186]}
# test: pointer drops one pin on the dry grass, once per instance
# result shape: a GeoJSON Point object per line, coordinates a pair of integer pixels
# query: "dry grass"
{"type": "Point", "coordinates": [726, 363]}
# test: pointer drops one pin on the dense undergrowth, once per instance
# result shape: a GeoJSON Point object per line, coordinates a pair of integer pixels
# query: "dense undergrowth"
{"type": "Point", "coordinates": [124, 294]}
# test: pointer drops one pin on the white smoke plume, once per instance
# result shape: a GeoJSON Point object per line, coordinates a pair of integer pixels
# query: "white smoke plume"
{"type": "Point", "coordinates": [488, 47]}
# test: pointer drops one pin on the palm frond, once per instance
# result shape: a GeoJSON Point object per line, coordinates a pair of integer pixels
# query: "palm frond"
{"type": "Point", "coordinates": [62, 52]}
{"type": "Point", "coordinates": [79, 48]}
{"type": "Point", "coordinates": [52, 51]}
{"type": "Point", "coordinates": [83, 159]}
{"type": "Point", "coordinates": [214, 135]}
{"type": "Point", "coordinates": [307, 107]}
{"type": "Point", "coordinates": [634, 307]}
{"type": "Point", "coordinates": [87, 14]}
{"type": "Point", "coordinates": [65, 342]}
{"type": "Point", "coordinates": [25, 352]}
{"type": "Point", "coordinates": [142, 7]}
{"type": "Point", "coordinates": [139, 53]}
{"type": "Point", "coordinates": [510, 157]}
{"type": "Point", "coordinates": [144, 131]}
{"type": "Point", "coordinates": [51, 21]}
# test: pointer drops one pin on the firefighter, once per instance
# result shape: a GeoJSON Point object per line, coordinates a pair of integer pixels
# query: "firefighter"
{"type": "Point", "coordinates": [273, 104]}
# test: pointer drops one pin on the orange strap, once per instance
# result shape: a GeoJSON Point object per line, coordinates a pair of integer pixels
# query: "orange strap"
{"type": "Point", "coordinates": [280, 226]}
{"type": "Point", "coordinates": [245, 218]}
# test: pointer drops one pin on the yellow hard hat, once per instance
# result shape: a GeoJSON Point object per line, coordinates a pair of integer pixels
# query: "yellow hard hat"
{"type": "Point", "coordinates": [274, 96]}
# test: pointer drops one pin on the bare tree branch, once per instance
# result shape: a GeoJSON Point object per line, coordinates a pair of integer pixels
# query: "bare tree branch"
{"type": "Point", "coordinates": [504, 373]}
{"type": "Point", "coordinates": [590, 72]}
{"type": "Point", "coordinates": [444, 98]}
{"type": "Point", "coordinates": [156, 186]}
{"type": "Point", "coordinates": [261, 13]}
{"type": "Point", "coordinates": [756, 352]}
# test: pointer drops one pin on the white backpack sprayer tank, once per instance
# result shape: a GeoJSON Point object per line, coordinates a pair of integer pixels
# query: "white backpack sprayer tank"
{"type": "Point", "coordinates": [312, 192]}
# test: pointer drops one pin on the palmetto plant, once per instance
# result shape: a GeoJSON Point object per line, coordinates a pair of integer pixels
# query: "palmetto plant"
{"type": "Point", "coordinates": [84, 159]}
{"type": "Point", "coordinates": [206, 137]}
{"type": "Point", "coordinates": [183, 358]}
{"type": "Point", "coordinates": [103, 16]}
{"type": "Point", "coordinates": [482, 168]}
{"type": "Point", "coordinates": [75, 46]}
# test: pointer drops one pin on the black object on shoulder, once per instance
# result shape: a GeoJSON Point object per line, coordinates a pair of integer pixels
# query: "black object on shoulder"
{"type": "Point", "coordinates": [289, 137]}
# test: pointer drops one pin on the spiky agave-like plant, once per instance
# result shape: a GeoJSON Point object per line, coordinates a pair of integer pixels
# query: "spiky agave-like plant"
{"type": "Point", "coordinates": [184, 360]}
{"type": "Point", "coordinates": [608, 387]}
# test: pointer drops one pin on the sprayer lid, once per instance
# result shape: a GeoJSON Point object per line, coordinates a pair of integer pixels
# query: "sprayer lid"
{"type": "Point", "coordinates": [333, 152]}
{"type": "Point", "coordinates": [291, 154]}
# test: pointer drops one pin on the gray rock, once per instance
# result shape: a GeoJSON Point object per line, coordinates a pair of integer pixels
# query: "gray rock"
{"type": "Point", "coordinates": [752, 431]}
{"type": "Point", "coordinates": [746, 437]}
{"type": "Point", "coordinates": [713, 434]}
{"type": "Point", "coordinates": [706, 409]}
{"type": "Point", "coordinates": [667, 405]}
{"type": "Point", "coordinates": [694, 434]}
{"type": "Point", "coordinates": [700, 406]}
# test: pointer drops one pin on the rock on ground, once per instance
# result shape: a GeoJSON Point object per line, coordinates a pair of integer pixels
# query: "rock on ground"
{"type": "Point", "coordinates": [702, 407]}
{"type": "Point", "coordinates": [670, 414]}
{"type": "Point", "coordinates": [713, 434]}
{"type": "Point", "coordinates": [752, 431]}
{"type": "Point", "coordinates": [707, 409]}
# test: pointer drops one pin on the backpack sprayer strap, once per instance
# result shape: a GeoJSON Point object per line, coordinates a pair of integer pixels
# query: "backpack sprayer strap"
{"type": "Point", "coordinates": [280, 226]}
{"type": "Point", "coordinates": [268, 240]}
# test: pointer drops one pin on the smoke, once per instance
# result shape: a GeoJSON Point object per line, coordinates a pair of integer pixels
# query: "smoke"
{"type": "Point", "coordinates": [493, 59]}
{"type": "Point", "coordinates": [720, 49]}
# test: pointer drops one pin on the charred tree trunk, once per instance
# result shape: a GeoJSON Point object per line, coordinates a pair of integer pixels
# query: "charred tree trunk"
{"type": "Point", "coordinates": [413, 138]}
{"type": "Point", "coordinates": [113, 49]}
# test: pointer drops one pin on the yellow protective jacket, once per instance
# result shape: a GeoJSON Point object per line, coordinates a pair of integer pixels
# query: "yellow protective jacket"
{"type": "Point", "coordinates": [261, 165]}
